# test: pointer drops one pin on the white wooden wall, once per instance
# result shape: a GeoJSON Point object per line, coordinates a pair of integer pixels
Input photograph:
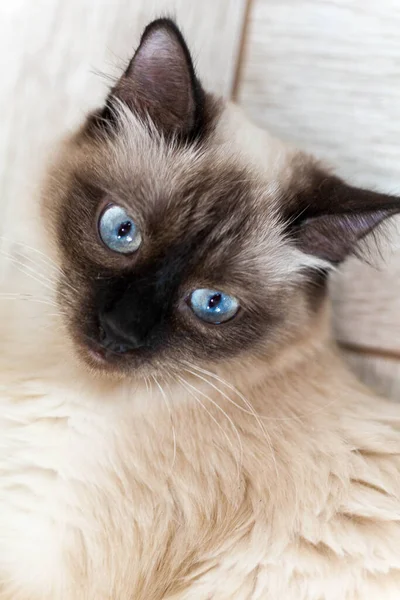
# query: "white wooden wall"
{"type": "Point", "coordinates": [322, 73]}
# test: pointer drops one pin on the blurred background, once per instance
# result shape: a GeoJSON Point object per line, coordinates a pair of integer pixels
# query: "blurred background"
{"type": "Point", "coordinates": [324, 74]}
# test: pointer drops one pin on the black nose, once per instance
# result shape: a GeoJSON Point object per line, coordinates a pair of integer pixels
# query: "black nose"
{"type": "Point", "coordinates": [114, 338]}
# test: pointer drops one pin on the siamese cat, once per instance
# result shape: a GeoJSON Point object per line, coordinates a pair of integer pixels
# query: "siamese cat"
{"type": "Point", "coordinates": [176, 422]}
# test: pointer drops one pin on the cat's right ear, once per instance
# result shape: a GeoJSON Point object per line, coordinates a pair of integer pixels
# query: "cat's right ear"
{"type": "Point", "coordinates": [329, 217]}
{"type": "Point", "coordinates": [160, 83]}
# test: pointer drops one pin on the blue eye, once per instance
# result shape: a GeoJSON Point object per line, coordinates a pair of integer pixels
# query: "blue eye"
{"type": "Point", "coordinates": [118, 231]}
{"type": "Point", "coordinates": [213, 306]}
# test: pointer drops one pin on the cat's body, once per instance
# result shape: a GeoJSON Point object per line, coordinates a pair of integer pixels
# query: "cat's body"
{"type": "Point", "coordinates": [265, 472]}
{"type": "Point", "coordinates": [99, 501]}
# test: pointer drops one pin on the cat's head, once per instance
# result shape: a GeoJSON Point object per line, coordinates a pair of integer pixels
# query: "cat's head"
{"type": "Point", "coordinates": [185, 234]}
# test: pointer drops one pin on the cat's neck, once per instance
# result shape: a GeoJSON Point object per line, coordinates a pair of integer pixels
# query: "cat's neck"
{"type": "Point", "coordinates": [222, 428]}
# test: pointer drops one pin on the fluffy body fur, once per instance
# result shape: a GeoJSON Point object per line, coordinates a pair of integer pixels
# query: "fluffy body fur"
{"type": "Point", "coordinates": [266, 472]}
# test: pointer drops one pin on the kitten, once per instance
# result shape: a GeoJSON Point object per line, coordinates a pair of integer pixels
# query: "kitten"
{"type": "Point", "coordinates": [181, 425]}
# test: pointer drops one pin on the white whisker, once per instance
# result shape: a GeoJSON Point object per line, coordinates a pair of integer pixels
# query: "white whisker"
{"type": "Point", "coordinates": [29, 272]}
{"type": "Point", "coordinates": [51, 277]}
{"type": "Point", "coordinates": [189, 387]}
{"type": "Point", "coordinates": [41, 255]}
{"type": "Point", "coordinates": [20, 260]}
{"type": "Point", "coordinates": [167, 404]}
{"type": "Point", "coordinates": [47, 263]}
{"type": "Point", "coordinates": [251, 410]}
{"type": "Point", "coordinates": [40, 265]}
{"type": "Point", "coordinates": [26, 298]}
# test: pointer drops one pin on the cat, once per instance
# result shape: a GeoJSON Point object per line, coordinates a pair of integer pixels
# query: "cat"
{"type": "Point", "coordinates": [176, 420]}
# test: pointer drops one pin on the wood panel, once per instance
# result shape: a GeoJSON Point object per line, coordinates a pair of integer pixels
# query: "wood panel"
{"type": "Point", "coordinates": [325, 74]}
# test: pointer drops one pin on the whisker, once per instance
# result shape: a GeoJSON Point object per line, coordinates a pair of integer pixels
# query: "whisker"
{"type": "Point", "coordinates": [20, 258]}
{"type": "Point", "coordinates": [26, 298]}
{"type": "Point", "coordinates": [41, 255]}
{"type": "Point", "coordinates": [60, 273]}
{"type": "Point", "coordinates": [32, 273]}
{"type": "Point", "coordinates": [234, 389]}
{"type": "Point", "coordinates": [185, 384]}
{"type": "Point", "coordinates": [251, 410]}
{"type": "Point", "coordinates": [53, 278]}
{"type": "Point", "coordinates": [167, 404]}
{"type": "Point", "coordinates": [30, 300]}
{"type": "Point", "coordinates": [189, 387]}
{"type": "Point", "coordinates": [54, 272]}
{"type": "Point", "coordinates": [46, 262]}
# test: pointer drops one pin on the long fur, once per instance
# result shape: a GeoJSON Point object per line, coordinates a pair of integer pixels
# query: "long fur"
{"type": "Point", "coordinates": [272, 474]}
{"type": "Point", "coordinates": [280, 483]}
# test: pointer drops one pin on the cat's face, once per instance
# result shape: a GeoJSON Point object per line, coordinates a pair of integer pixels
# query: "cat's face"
{"type": "Point", "coordinates": [180, 245]}
{"type": "Point", "coordinates": [146, 228]}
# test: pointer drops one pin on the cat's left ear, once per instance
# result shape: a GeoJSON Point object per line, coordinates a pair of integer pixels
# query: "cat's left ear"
{"type": "Point", "coordinates": [329, 217]}
{"type": "Point", "coordinates": [160, 83]}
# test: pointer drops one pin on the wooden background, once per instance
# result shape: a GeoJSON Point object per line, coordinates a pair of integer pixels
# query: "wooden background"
{"type": "Point", "coordinates": [322, 73]}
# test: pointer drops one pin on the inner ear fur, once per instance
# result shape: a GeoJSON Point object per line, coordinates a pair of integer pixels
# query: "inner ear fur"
{"type": "Point", "coordinates": [160, 84]}
{"type": "Point", "coordinates": [329, 217]}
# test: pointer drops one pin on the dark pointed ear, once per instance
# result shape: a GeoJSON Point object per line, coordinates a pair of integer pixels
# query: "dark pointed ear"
{"type": "Point", "coordinates": [160, 82]}
{"type": "Point", "coordinates": [329, 218]}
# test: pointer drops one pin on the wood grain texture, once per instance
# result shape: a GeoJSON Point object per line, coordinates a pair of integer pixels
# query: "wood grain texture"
{"type": "Point", "coordinates": [53, 51]}
{"type": "Point", "coordinates": [325, 74]}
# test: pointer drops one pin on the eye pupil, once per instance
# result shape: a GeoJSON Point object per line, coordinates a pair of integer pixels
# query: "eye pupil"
{"type": "Point", "coordinates": [214, 301]}
{"type": "Point", "coordinates": [124, 229]}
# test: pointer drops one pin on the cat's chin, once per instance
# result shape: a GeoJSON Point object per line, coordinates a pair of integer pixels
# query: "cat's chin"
{"type": "Point", "coordinates": [99, 360]}
{"type": "Point", "coordinates": [96, 356]}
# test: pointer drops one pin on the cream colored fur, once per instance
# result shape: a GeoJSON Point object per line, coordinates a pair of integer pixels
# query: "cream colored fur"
{"type": "Point", "coordinates": [281, 483]}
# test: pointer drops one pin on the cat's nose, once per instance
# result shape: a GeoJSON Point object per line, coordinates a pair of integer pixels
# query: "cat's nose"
{"type": "Point", "coordinates": [114, 338]}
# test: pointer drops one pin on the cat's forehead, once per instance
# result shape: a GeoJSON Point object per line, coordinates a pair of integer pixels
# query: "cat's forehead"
{"type": "Point", "coordinates": [219, 197]}
{"type": "Point", "coordinates": [229, 170]}
{"type": "Point", "coordinates": [211, 190]}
